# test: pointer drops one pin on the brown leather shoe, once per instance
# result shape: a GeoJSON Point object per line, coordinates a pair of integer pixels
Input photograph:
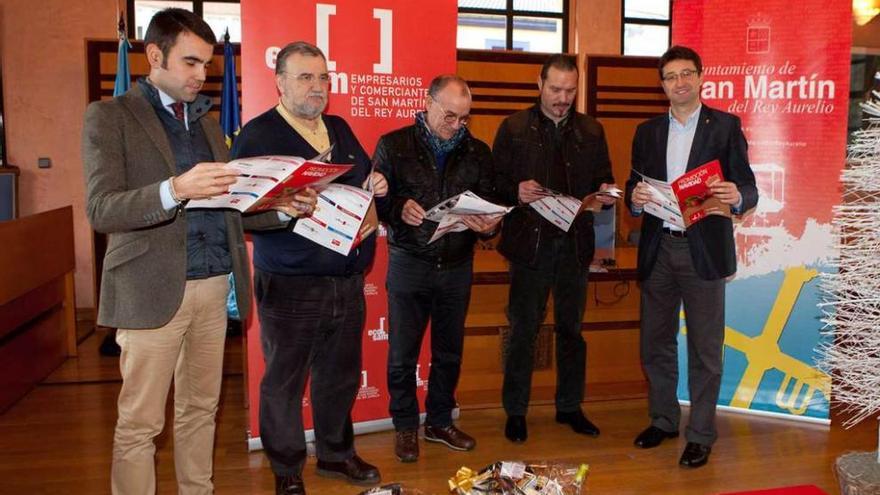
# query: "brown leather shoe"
{"type": "Point", "coordinates": [289, 485]}
{"type": "Point", "coordinates": [354, 470]}
{"type": "Point", "coordinates": [406, 445]}
{"type": "Point", "coordinates": [450, 436]}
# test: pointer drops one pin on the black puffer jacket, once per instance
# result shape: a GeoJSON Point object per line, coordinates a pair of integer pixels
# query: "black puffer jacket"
{"type": "Point", "coordinates": [523, 150]}
{"type": "Point", "coordinates": [409, 166]}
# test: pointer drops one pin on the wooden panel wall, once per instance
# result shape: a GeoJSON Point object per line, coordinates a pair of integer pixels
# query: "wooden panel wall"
{"type": "Point", "coordinates": [37, 307]}
{"type": "Point", "coordinates": [501, 83]}
{"type": "Point", "coordinates": [622, 92]}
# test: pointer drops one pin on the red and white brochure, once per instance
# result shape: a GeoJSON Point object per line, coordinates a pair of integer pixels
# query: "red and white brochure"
{"type": "Point", "coordinates": [262, 179]}
{"type": "Point", "coordinates": [687, 199]}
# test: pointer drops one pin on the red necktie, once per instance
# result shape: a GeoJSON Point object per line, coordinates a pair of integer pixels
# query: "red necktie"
{"type": "Point", "coordinates": [177, 107]}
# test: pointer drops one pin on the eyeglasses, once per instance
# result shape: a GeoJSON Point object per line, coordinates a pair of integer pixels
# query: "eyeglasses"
{"type": "Point", "coordinates": [451, 117]}
{"type": "Point", "coordinates": [685, 75]}
{"type": "Point", "coordinates": [309, 79]}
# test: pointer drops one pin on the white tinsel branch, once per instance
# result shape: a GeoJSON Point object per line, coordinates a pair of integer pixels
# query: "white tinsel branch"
{"type": "Point", "coordinates": [851, 307]}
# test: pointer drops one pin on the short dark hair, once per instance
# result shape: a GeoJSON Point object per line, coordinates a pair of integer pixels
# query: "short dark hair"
{"type": "Point", "coordinates": [679, 52]}
{"type": "Point", "coordinates": [301, 47]}
{"type": "Point", "coordinates": [558, 61]}
{"type": "Point", "coordinates": [443, 80]}
{"type": "Point", "coordinates": [167, 24]}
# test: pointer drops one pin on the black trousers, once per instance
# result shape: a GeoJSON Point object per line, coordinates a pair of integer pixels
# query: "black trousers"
{"type": "Point", "coordinates": [558, 271]}
{"type": "Point", "coordinates": [310, 327]}
{"type": "Point", "coordinates": [674, 281]}
{"type": "Point", "coordinates": [419, 291]}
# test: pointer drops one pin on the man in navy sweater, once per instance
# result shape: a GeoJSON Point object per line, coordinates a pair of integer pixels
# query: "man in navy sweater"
{"type": "Point", "coordinates": [310, 299]}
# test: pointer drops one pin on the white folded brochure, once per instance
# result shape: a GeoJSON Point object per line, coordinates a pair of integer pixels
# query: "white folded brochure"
{"type": "Point", "coordinates": [449, 212]}
{"type": "Point", "coordinates": [337, 219]}
{"type": "Point", "coordinates": [561, 210]}
{"type": "Point", "coordinates": [665, 205]}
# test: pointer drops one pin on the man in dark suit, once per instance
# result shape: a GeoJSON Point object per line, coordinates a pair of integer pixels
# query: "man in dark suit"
{"type": "Point", "coordinates": [164, 283]}
{"type": "Point", "coordinates": [686, 266]}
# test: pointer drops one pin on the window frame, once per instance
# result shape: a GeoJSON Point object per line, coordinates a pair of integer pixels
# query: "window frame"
{"type": "Point", "coordinates": [509, 13]}
{"type": "Point", "coordinates": [198, 9]}
{"type": "Point", "coordinates": [624, 20]}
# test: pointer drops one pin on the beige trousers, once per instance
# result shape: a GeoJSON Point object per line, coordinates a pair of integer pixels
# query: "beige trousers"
{"type": "Point", "coordinates": [189, 349]}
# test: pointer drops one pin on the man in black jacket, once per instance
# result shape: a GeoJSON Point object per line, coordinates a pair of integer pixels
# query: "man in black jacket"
{"type": "Point", "coordinates": [310, 299]}
{"type": "Point", "coordinates": [425, 163]}
{"type": "Point", "coordinates": [686, 266]}
{"type": "Point", "coordinates": [549, 146]}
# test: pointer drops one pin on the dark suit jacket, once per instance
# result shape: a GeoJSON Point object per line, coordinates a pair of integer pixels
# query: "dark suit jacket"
{"type": "Point", "coordinates": [126, 156]}
{"type": "Point", "coordinates": [718, 136]}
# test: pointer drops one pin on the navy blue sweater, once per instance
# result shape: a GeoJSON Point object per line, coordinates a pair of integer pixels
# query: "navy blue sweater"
{"type": "Point", "coordinates": [281, 251]}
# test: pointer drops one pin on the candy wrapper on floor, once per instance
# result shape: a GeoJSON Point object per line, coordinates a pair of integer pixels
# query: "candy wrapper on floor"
{"type": "Point", "coordinates": [521, 478]}
{"type": "Point", "coordinates": [392, 489]}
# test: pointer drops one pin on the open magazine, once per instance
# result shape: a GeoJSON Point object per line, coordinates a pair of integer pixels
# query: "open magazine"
{"type": "Point", "coordinates": [448, 214]}
{"type": "Point", "coordinates": [561, 210]}
{"type": "Point", "coordinates": [687, 199]}
{"type": "Point", "coordinates": [262, 179]}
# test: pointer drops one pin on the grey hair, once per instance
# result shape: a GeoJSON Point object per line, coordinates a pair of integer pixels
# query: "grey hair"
{"type": "Point", "coordinates": [301, 47]}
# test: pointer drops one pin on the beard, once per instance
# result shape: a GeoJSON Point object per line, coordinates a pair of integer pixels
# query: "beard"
{"type": "Point", "coordinates": [310, 110]}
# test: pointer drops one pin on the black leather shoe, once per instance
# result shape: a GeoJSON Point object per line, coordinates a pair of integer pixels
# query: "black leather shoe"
{"type": "Point", "coordinates": [354, 470]}
{"type": "Point", "coordinates": [695, 455]}
{"type": "Point", "coordinates": [515, 430]}
{"type": "Point", "coordinates": [289, 485]}
{"type": "Point", "coordinates": [578, 422]}
{"type": "Point", "coordinates": [652, 436]}
{"type": "Point", "coordinates": [109, 347]}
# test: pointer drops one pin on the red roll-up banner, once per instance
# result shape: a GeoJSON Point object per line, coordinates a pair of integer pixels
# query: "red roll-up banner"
{"type": "Point", "coordinates": [382, 54]}
{"type": "Point", "coordinates": [783, 67]}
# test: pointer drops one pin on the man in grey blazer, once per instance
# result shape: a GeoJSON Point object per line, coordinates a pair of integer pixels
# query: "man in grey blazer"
{"type": "Point", "coordinates": [164, 282]}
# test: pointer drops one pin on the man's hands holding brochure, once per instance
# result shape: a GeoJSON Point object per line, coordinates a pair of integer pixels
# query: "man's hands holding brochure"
{"type": "Point", "coordinates": [209, 179]}
{"type": "Point", "coordinates": [561, 209]}
{"type": "Point", "coordinates": [482, 224]}
{"type": "Point", "coordinates": [301, 202]}
{"type": "Point", "coordinates": [296, 203]}
{"type": "Point", "coordinates": [531, 191]}
{"type": "Point", "coordinates": [605, 196]}
{"type": "Point", "coordinates": [204, 180]}
{"type": "Point", "coordinates": [413, 214]}
{"type": "Point", "coordinates": [725, 191]}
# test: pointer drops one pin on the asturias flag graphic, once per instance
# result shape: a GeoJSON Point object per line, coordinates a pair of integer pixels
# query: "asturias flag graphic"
{"type": "Point", "coordinates": [230, 116]}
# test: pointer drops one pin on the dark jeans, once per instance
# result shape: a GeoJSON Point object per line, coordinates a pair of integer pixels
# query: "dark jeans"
{"type": "Point", "coordinates": [672, 281]}
{"type": "Point", "coordinates": [419, 290]}
{"type": "Point", "coordinates": [558, 270]}
{"type": "Point", "coordinates": [310, 326]}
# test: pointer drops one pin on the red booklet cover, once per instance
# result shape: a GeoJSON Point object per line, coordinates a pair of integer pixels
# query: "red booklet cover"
{"type": "Point", "coordinates": [310, 173]}
{"type": "Point", "coordinates": [695, 199]}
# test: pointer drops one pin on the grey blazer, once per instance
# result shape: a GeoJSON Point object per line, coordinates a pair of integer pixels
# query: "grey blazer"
{"type": "Point", "coordinates": [126, 155]}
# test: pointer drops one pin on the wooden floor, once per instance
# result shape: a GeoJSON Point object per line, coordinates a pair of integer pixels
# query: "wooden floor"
{"type": "Point", "coordinates": [58, 440]}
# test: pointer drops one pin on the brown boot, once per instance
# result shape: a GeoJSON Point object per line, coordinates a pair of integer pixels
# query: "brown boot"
{"type": "Point", "coordinates": [406, 445]}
